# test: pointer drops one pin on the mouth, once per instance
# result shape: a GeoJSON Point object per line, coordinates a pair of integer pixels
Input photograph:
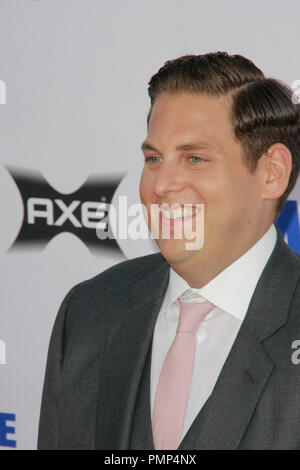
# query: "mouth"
{"type": "Point", "coordinates": [179, 213]}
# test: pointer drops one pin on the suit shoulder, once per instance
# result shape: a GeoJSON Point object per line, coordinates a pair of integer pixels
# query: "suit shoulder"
{"type": "Point", "coordinates": [288, 255]}
{"type": "Point", "coordinates": [123, 273]}
{"type": "Point", "coordinates": [105, 295]}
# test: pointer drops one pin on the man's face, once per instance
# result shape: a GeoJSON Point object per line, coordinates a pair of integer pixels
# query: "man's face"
{"type": "Point", "coordinates": [191, 157]}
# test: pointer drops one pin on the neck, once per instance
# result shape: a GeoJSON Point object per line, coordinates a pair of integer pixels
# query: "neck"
{"type": "Point", "coordinates": [200, 270]}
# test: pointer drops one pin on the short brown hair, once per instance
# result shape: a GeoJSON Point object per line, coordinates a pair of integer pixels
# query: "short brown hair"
{"type": "Point", "coordinates": [263, 112]}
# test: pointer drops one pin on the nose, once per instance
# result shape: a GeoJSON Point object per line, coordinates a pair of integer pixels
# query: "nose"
{"type": "Point", "coordinates": [168, 179]}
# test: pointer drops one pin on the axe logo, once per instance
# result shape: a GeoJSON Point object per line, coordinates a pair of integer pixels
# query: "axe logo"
{"type": "Point", "coordinates": [48, 212]}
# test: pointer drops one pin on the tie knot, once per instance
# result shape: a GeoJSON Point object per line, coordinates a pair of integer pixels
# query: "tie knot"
{"type": "Point", "coordinates": [192, 314]}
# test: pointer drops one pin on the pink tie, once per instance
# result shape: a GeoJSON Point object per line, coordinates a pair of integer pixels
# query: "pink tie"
{"type": "Point", "coordinates": [175, 377]}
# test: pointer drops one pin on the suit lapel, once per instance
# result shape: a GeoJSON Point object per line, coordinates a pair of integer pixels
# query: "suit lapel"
{"type": "Point", "coordinates": [224, 418]}
{"type": "Point", "coordinates": [126, 356]}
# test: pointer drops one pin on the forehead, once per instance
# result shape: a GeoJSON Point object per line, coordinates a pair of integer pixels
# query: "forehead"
{"type": "Point", "coordinates": [184, 117]}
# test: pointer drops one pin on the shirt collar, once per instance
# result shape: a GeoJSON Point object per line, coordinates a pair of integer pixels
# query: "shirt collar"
{"type": "Point", "coordinates": [232, 289]}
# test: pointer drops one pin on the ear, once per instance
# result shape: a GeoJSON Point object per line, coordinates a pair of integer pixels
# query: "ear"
{"type": "Point", "coordinates": [276, 169]}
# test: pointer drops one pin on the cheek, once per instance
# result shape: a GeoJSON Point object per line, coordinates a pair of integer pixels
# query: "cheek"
{"type": "Point", "coordinates": [233, 199]}
{"type": "Point", "coordinates": [219, 196]}
{"type": "Point", "coordinates": [209, 189]}
{"type": "Point", "coordinates": [146, 188]}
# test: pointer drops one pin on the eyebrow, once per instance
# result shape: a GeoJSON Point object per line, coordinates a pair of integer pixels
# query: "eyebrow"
{"type": "Point", "coordinates": [197, 146]}
{"type": "Point", "coordinates": [147, 146]}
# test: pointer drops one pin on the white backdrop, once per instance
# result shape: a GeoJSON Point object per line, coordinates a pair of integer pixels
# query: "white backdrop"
{"type": "Point", "coordinates": [73, 106]}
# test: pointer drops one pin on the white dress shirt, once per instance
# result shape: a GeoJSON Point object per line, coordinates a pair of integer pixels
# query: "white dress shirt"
{"type": "Point", "coordinates": [230, 292]}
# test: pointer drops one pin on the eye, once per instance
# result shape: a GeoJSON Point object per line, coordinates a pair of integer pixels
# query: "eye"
{"type": "Point", "coordinates": [198, 159]}
{"type": "Point", "coordinates": [151, 159]}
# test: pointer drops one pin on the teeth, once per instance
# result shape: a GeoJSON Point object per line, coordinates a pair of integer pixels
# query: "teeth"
{"type": "Point", "coordinates": [178, 213]}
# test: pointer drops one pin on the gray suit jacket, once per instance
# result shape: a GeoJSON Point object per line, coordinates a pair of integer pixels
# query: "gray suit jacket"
{"type": "Point", "coordinates": [96, 390]}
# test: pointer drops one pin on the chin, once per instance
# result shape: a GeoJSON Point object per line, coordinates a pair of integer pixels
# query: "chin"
{"type": "Point", "coordinates": [173, 250]}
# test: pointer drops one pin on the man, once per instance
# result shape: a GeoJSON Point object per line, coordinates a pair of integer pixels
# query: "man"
{"type": "Point", "coordinates": [119, 375]}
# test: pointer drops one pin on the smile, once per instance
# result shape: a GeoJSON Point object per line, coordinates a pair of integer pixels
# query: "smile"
{"type": "Point", "coordinates": [179, 213]}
